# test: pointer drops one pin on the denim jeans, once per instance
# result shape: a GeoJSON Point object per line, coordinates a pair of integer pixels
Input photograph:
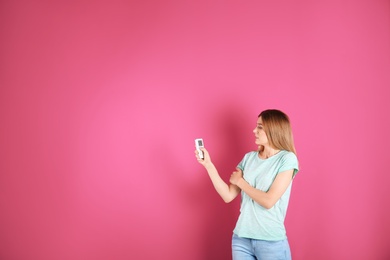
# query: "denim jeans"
{"type": "Point", "coordinates": [251, 249]}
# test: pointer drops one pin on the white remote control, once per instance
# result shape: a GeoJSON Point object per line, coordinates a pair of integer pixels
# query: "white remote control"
{"type": "Point", "coordinates": [199, 144]}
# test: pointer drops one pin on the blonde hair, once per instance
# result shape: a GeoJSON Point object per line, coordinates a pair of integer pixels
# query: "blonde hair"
{"type": "Point", "coordinates": [278, 130]}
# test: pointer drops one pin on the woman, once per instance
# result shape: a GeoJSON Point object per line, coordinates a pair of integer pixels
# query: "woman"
{"type": "Point", "coordinates": [264, 178]}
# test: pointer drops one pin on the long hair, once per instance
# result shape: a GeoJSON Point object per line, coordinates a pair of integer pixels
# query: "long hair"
{"type": "Point", "coordinates": [278, 130]}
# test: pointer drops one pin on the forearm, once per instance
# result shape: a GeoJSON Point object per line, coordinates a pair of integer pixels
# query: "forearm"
{"type": "Point", "coordinates": [260, 197]}
{"type": "Point", "coordinates": [274, 193]}
{"type": "Point", "coordinates": [227, 192]}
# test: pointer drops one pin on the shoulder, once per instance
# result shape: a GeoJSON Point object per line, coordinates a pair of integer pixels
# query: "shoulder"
{"type": "Point", "coordinates": [251, 154]}
{"type": "Point", "coordinates": [248, 157]}
{"type": "Point", "coordinates": [288, 156]}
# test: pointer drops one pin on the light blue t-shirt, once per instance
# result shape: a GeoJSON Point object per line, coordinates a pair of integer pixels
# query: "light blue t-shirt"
{"type": "Point", "coordinates": [255, 221]}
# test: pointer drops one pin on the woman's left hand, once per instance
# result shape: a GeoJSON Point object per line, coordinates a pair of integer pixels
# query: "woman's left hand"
{"type": "Point", "coordinates": [236, 176]}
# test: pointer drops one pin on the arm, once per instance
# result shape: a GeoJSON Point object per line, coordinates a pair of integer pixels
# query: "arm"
{"type": "Point", "coordinates": [227, 192]}
{"type": "Point", "coordinates": [269, 198]}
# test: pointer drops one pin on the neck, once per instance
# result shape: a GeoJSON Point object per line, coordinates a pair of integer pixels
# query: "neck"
{"type": "Point", "coordinates": [267, 152]}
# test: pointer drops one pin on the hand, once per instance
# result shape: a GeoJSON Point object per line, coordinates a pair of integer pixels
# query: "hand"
{"type": "Point", "coordinates": [206, 156]}
{"type": "Point", "coordinates": [236, 176]}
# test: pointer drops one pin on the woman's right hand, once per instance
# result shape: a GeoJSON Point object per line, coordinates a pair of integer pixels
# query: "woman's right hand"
{"type": "Point", "coordinates": [206, 156]}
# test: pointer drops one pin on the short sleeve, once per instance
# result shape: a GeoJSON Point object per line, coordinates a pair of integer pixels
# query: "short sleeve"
{"type": "Point", "coordinates": [241, 164]}
{"type": "Point", "coordinates": [289, 162]}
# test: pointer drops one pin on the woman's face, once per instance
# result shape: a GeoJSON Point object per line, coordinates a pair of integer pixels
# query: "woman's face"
{"type": "Point", "coordinates": [260, 135]}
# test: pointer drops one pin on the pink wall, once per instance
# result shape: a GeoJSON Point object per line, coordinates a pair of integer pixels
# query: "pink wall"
{"type": "Point", "coordinates": [100, 103]}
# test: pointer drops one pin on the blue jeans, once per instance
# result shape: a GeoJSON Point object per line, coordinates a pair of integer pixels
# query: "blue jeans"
{"type": "Point", "coordinates": [251, 249]}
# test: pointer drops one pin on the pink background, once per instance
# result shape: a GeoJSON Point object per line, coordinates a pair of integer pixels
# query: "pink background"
{"type": "Point", "coordinates": [100, 103]}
